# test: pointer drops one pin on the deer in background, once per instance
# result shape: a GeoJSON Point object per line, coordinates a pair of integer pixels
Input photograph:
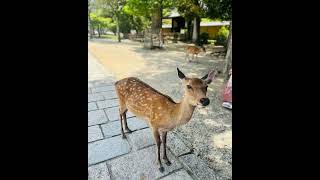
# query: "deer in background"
{"type": "Point", "coordinates": [194, 51]}
{"type": "Point", "coordinates": [159, 110]}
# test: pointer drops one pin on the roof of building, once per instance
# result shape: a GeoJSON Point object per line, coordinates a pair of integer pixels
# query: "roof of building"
{"type": "Point", "coordinates": [215, 23]}
{"type": "Point", "coordinates": [204, 24]}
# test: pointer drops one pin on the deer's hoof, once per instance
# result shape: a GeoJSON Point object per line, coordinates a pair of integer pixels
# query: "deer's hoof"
{"type": "Point", "coordinates": [124, 137]}
{"type": "Point", "coordinates": [161, 169]}
{"type": "Point", "coordinates": [168, 163]}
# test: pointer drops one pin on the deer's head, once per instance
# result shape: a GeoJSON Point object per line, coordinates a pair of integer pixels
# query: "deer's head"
{"type": "Point", "coordinates": [196, 88]}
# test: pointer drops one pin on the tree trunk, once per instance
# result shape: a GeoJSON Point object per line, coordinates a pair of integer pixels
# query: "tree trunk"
{"type": "Point", "coordinates": [228, 61]}
{"type": "Point", "coordinates": [156, 20]}
{"type": "Point", "coordinates": [90, 26]}
{"type": "Point", "coordinates": [189, 30]}
{"type": "Point", "coordinates": [99, 30]}
{"type": "Point", "coordinates": [196, 30]}
{"type": "Point", "coordinates": [118, 28]}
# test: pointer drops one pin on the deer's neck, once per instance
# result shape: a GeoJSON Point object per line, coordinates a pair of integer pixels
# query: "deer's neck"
{"type": "Point", "coordinates": [184, 111]}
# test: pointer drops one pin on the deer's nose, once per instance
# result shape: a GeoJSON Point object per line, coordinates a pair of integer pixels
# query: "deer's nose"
{"type": "Point", "coordinates": [205, 101]}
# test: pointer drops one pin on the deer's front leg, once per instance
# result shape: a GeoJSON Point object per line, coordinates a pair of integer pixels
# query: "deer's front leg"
{"type": "Point", "coordinates": [156, 137]}
{"type": "Point", "coordinates": [187, 57]}
{"type": "Point", "coordinates": [121, 121]}
{"type": "Point", "coordinates": [164, 141]}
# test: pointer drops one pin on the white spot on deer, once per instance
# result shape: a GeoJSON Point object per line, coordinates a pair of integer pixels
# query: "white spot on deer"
{"type": "Point", "coordinates": [159, 107]}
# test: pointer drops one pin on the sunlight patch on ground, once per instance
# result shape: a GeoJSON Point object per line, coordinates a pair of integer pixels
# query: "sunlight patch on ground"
{"type": "Point", "coordinates": [223, 140]}
{"type": "Point", "coordinates": [121, 64]}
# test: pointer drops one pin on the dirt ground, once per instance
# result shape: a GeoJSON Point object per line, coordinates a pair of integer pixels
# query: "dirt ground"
{"type": "Point", "coordinates": [209, 133]}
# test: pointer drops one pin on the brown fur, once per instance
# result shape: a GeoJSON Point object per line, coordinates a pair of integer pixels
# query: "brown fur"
{"type": "Point", "coordinates": [193, 50]}
{"type": "Point", "coordinates": [158, 110]}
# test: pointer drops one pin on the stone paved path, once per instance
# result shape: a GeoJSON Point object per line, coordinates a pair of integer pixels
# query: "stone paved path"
{"type": "Point", "coordinates": [111, 157]}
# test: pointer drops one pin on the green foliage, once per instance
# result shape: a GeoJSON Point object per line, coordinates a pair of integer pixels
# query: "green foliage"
{"type": "Point", "coordinates": [214, 9]}
{"type": "Point", "coordinates": [138, 8]}
{"type": "Point", "coordinates": [144, 8]}
{"type": "Point", "coordinates": [206, 20]}
{"type": "Point", "coordinates": [112, 26]}
{"type": "Point", "coordinates": [190, 8]}
{"type": "Point", "coordinates": [220, 9]}
{"type": "Point", "coordinates": [103, 23]}
{"type": "Point", "coordinates": [222, 36]}
{"type": "Point", "coordinates": [204, 38]}
{"type": "Point", "coordinates": [128, 22]}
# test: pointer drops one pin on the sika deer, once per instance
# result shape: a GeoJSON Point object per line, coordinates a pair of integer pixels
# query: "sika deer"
{"type": "Point", "coordinates": [194, 51]}
{"type": "Point", "coordinates": [159, 110]}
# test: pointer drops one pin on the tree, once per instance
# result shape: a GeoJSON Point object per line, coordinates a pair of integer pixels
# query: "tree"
{"type": "Point", "coordinates": [89, 21]}
{"type": "Point", "coordinates": [192, 11]}
{"type": "Point", "coordinates": [222, 9]}
{"type": "Point", "coordinates": [97, 23]}
{"type": "Point", "coordinates": [150, 10]}
{"type": "Point", "coordinates": [111, 8]}
{"type": "Point", "coordinates": [228, 63]}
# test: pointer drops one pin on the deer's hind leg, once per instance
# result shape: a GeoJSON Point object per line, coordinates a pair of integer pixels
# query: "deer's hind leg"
{"type": "Point", "coordinates": [164, 141]}
{"type": "Point", "coordinates": [123, 117]}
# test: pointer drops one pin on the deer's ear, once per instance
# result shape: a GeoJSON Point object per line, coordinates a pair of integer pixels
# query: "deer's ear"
{"type": "Point", "coordinates": [180, 74]}
{"type": "Point", "coordinates": [208, 78]}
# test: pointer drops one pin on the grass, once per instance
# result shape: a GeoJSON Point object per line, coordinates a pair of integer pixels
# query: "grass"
{"type": "Point", "coordinates": [109, 36]}
{"type": "Point", "coordinates": [211, 41]}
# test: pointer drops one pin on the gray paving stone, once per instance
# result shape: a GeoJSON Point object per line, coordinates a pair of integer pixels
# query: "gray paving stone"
{"type": "Point", "coordinates": [103, 89]}
{"type": "Point", "coordinates": [89, 91]}
{"type": "Point", "coordinates": [136, 123]}
{"type": "Point", "coordinates": [141, 165]}
{"type": "Point", "coordinates": [109, 94]}
{"type": "Point", "coordinates": [105, 149]}
{"type": "Point", "coordinates": [179, 175]}
{"type": "Point", "coordinates": [96, 117]}
{"type": "Point", "coordinates": [95, 97]}
{"type": "Point", "coordinates": [94, 133]}
{"type": "Point", "coordinates": [92, 106]}
{"type": "Point", "coordinates": [113, 114]}
{"type": "Point", "coordinates": [98, 172]}
{"type": "Point", "coordinates": [176, 145]}
{"type": "Point", "coordinates": [140, 139]}
{"type": "Point", "coordinates": [114, 128]}
{"type": "Point", "coordinates": [108, 103]}
{"type": "Point", "coordinates": [100, 83]}
{"type": "Point", "coordinates": [111, 129]}
{"type": "Point", "coordinates": [198, 167]}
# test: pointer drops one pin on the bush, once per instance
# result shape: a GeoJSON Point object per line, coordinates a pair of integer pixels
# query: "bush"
{"type": "Point", "coordinates": [204, 38]}
{"type": "Point", "coordinates": [222, 36]}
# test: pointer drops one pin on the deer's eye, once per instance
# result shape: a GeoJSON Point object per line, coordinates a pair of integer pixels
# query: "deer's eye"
{"type": "Point", "coordinates": [189, 87]}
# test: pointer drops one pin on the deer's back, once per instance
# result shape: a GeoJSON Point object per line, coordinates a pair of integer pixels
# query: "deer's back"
{"type": "Point", "coordinates": [142, 99]}
{"type": "Point", "coordinates": [192, 50]}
